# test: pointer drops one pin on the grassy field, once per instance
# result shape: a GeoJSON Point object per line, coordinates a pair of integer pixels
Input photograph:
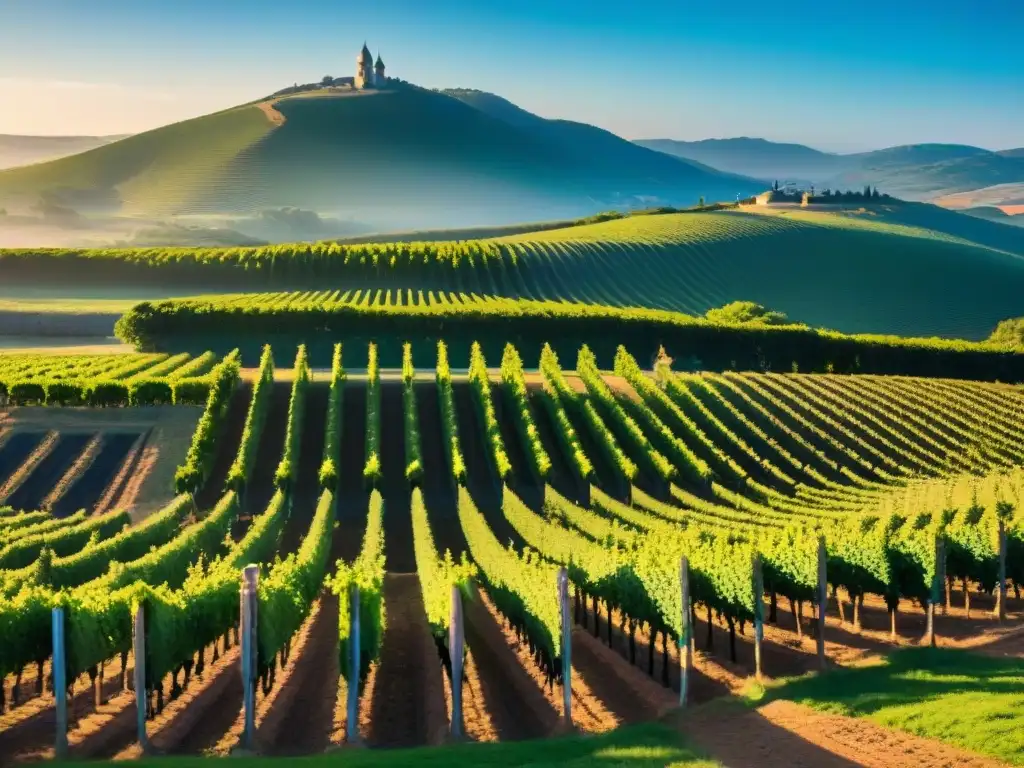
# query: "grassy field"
{"type": "Point", "coordinates": [961, 698]}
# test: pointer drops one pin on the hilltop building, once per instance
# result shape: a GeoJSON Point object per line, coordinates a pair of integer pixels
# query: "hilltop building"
{"type": "Point", "coordinates": [368, 73]}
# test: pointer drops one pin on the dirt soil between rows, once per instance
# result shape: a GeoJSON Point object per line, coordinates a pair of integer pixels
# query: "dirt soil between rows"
{"type": "Point", "coordinates": [172, 428]}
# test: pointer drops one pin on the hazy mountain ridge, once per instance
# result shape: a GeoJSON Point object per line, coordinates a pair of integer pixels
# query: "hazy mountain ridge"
{"type": "Point", "coordinates": [915, 171]}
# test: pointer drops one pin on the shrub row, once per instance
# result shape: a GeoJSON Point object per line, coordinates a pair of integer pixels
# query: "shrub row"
{"type": "Point", "coordinates": [695, 342]}
{"type": "Point", "coordinates": [106, 393]}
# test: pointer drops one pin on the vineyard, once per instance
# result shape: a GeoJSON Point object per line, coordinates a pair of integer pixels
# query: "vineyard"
{"type": "Point", "coordinates": [678, 262]}
{"type": "Point", "coordinates": [487, 545]}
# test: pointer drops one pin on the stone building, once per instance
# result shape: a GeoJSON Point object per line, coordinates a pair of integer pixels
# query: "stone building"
{"type": "Point", "coordinates": [368, 73]}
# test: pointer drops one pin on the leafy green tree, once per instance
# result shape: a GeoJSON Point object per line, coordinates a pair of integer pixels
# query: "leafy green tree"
{"type": "Point", "coordinates": [746, 312]}
{"type": "Point", "coordinates": [1010, 331]}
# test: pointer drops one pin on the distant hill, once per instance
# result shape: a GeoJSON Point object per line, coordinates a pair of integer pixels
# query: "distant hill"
{"type": "Point", "coordinates": [406, 158]}
{"type": "Point", "coordinates": [913, 172]}
{"type": "Point", "coordinates": [767, 160]}
{"type": "Point", "coordinates": [997, 195]}
{"type": "Point", "coordinates": [24, 150]}
{"type": "Point", "coordinates": [992, 213]}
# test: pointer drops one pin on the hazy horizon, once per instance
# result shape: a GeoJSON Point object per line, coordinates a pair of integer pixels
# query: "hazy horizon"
{"type": "Point", "coordinates": [804, 73]}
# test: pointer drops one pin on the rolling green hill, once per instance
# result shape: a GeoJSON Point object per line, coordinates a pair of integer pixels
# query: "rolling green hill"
{"type": "Point", "coordinates": [909, 269]}
{"type": "Point", "coordinates": [407, 157]}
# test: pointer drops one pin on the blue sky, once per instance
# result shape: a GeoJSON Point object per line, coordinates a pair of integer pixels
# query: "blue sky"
{"type": "Point", "coordinates": [834, 75]}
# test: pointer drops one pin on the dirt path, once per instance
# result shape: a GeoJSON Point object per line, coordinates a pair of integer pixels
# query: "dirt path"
{"type": "Point", "coordinates": [787, 735]}
{"type": "Point", "coordinates": [407, 707]}
{"type": "Point", "coordinates": [394, 487]}
{"type": "Point", "coordinates": [517, 706]}
{"type": "Point", "coordinates": [306, 724]}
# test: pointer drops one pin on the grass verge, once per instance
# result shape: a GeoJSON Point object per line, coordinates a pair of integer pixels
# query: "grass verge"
{"type": "Point", "coordinates": [966, 699]}
{"type": "Point", "coordinates": [640, 746]}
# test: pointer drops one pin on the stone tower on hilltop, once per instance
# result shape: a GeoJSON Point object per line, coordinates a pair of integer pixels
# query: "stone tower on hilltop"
{"type": "Point", "coordinates": [368, 74]}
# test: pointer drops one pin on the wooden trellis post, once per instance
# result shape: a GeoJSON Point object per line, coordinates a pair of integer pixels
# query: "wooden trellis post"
{"type": "Point", "coordinates": [758, 615]}
{"type": "Point", "coordinates": [1001, 596]}
{"type": "Point", "coordinates": [352, 699]}
{"type": "Point", "coordinates": [685, 646]}
{"type": "Point", "coordinates": [563, 606]}
{"type": "Point", "coordinates": [139, 675]}
{"type": "Point", "coordinates": [60, 685]}
{"type": "Point", "coordinates": [456, 644]}
{"type": "Point", "coordinates": [247, 622]}
{"type": "Point", "coordinates": [822, 599]}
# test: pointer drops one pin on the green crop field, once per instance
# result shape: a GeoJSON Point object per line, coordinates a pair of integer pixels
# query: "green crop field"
{"type": "Point", "coordinates": [457, 485]}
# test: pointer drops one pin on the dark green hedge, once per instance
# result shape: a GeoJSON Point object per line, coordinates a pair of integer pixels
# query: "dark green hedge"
{"type": "Point", "coordinates": [692, 341]}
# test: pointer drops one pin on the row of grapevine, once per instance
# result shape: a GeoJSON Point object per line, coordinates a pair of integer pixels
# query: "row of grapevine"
{"type": "Point", "coordinates": [560, 389]}
{"type": "Point", "coordinates": [628, 430]}
{"type": "Point", "coordinates": [523, 587]}
{"type": "Point", "coordinates": [677, 389]}
{"type": "Point", "coordinates": [198, 463]}
{"type": "Point", "coordinates": [413, 444]}
{"type": "Point", "coordinates": [328, 475]}
{"type": "Point", "coordinates": [437, 574]}
{"type": "Point", "coordinates": [96, 558]}
{"type": "Point", "coordinates": [480, 384]}
{"type": "Point", "coordinates": [287, 469]}
{"type": "Point", "coordinates": [449, 421]}
{"type": "Point", "coordinates": [366, 573]}
{"type": "Point", "coordinates": [28, 524]}
{"type": "Point", "coordinates": [259, 405]}
{"type": "Point", "coordinates": [372, 469]}
{"type": "Point", "coordinates": [287, 591]}
{"type": "Point", "coordinates": [515, 388]}
{"type": "Point", "coordinates": [23, 551]}
{"type": "Point", "coordinates": [126, 380]}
